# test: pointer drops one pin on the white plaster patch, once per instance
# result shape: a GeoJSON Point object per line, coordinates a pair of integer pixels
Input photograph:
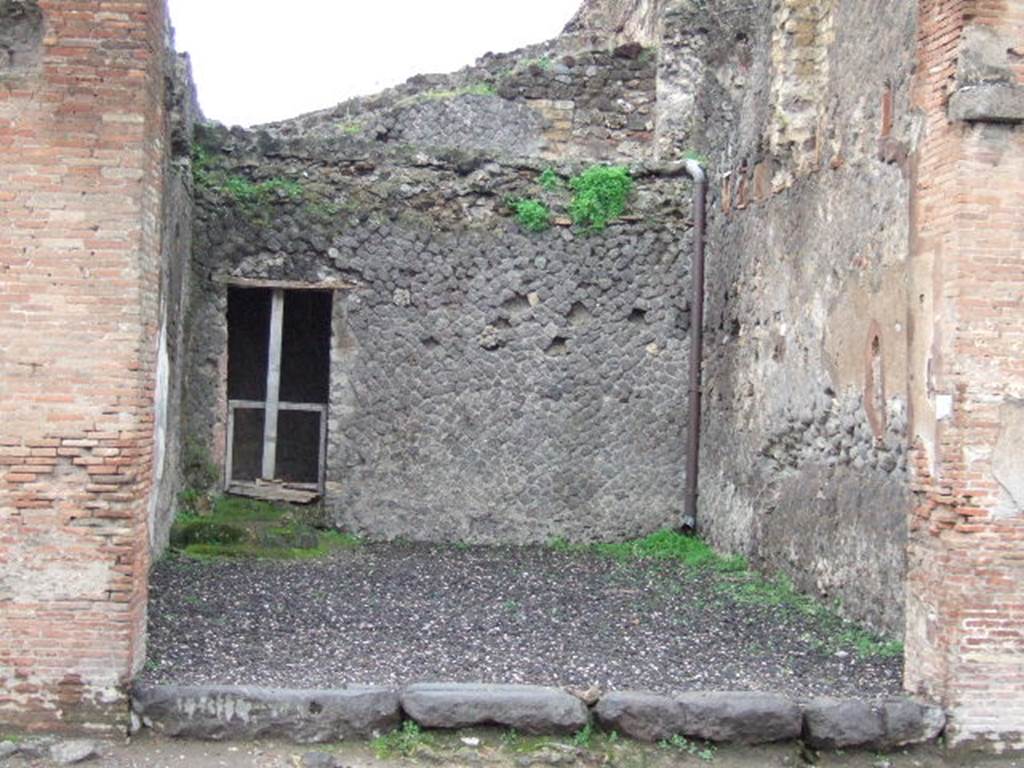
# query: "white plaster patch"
{"type": "Point", "coordinates": [62, 578]}
{"type": "Point", "coordinates": [1008, 454]}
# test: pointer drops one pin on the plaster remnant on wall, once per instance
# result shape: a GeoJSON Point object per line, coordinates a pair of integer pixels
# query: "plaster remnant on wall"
{"type": "Point", "coordinates": [803, 35]}
{"type": "Point", "coordinates": [1008, 454]}
{"type": "Point", "coordinates": [22, 26]}
{"type": "Point", "coordinates": [62, 576]}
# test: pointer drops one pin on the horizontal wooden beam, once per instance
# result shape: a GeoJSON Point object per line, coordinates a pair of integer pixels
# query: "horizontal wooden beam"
{"type": "Point", "coordinates": [334, 284]}
{"type": "Point", "coordinates": [259, 405]}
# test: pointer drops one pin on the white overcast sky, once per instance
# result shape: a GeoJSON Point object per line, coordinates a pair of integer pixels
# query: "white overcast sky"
{"type": "Point", "coordinates": [257, 61]}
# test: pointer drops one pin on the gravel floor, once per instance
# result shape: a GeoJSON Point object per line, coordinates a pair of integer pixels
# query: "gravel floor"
{"type": "Point", "coordinates": [396, 613]}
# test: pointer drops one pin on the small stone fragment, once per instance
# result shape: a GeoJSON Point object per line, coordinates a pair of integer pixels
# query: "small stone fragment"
{"type": "Point", "coordinates": [318, 760]}
{"type": "Point", "coordinates": [75, 751]}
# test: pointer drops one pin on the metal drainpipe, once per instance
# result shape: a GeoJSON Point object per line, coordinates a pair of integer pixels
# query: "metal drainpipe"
{"type": "Point", "coordinates": [696, 172]}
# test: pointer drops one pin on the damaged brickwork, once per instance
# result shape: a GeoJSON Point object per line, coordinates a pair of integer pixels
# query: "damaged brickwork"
{"type": "Point", "coordinates": [83, 165]}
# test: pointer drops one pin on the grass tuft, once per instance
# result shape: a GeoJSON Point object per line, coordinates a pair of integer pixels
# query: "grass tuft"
{"type": "Point", "coordinates": [672, 545]}
{"type": "Point", "coordinates": [403, 742]}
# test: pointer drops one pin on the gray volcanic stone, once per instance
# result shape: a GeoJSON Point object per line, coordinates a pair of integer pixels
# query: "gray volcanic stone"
{"type": "Point", "coordinates": [639, 715]}
{"type": "Point", "coordinates": [318, 760]}
{"type": "Point", "coordinates": [527, 708]}
{"type": "Point", "coordinates": [229, 712]}
{"type": "Point", "coordinates": [909, 722]}
{"type": "Point", "coordinates": [75, 751]}
{"type": "Point", "coordinates": [7, 749]}
{"type": "Point", "coordinates": [988, 103]}
{"type": "Point", "coordinates": [746, 717]}
{"type": "Point", "coordinates": [740, 716]}
{"type": "Point", "coordinates": [838, 723]}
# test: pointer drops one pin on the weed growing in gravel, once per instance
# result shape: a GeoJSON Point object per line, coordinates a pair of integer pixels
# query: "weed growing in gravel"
{"type": "Point", "coordinates": [401, 743]}
{"type": "Point", "coordinates": [744, 587]}
{"type": "Point", "coordinates": [561, 544]}
{"type": "Point", "coordinates": [868, 644]}
{"type": "Point", "coordinates": [701, 750]}
{"type": "Point", "coordinates": [750, 588]}
{"type": "Point", "coordinates": [671, 545]}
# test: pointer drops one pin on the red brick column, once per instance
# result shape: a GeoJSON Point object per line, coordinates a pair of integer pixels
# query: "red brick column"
{"type": "Point", "coordinates": [965, 615]}
{"type": "Point", "coordinates": [81, 163]}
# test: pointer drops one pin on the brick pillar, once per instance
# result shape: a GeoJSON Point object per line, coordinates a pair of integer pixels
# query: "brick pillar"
{"type": "Point", "coordinates": [81, 163]}
{"type": "Point", "coordinates": [965, 612]}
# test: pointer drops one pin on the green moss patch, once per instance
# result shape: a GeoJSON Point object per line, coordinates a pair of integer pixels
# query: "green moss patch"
{"type": "Point", "coordinates": [250, 528]}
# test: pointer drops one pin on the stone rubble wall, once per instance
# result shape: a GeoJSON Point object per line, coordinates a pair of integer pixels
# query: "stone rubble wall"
{"type": "Point", "coordinates": [488, 385]}
{"type": "Point", "coordinates": [554, 100]}
{"type": "Point", "coordinates": [806, 132]}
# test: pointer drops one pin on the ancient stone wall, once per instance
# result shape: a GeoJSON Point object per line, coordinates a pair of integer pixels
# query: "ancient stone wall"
{"type": "Point", "coordinates": [806, 131]}
{"type": "Point", "coordinates": [82, 165]}
{"type": "Point", "coordinates": [554, 100]}
{"type": "Point", "coordinates": [487, 384]}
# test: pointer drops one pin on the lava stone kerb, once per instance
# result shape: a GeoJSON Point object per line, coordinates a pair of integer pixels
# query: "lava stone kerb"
{"type": "Point", "coordinates": [487, 385]}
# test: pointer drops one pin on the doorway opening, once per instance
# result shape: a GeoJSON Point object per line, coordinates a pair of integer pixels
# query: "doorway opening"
{"type": "Point", "coordinates": [278, 383]}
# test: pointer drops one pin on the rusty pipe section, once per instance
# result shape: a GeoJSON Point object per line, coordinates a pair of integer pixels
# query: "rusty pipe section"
{"type": "Point", "coordinates": [695, 172]}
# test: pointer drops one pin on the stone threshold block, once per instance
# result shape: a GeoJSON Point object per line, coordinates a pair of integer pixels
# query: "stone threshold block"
{"type": "Point", "coordinates": [896, 722]}
{"type": "Point", "coordinates": [754, 718]}
{"type": "Point", "coordinates": [743, 717]}
{"type": "Point", "coordinates": [235, 713]}
{"type": "Point", "coordinates": [529, 709]}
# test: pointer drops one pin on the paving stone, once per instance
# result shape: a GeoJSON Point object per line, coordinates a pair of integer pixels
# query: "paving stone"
{"type": "Point", "coordinates": [74, 751]}
{"type": "Point", "coordinates": [839, 723]}
{"type": "Point", "coordinates": [527, 708]}
{"type": "Point", "coordinates": [733, 716]}
{"type": "Point", "coordinates": [909, 722]}
{"type": "Point", "coordinates": [230, 712]}
{"type": "Point", "coordinates": [639, 715]}
{"type": "Point", "coordinates": [746, 717]}
{"type": "Point", "coordinates": [36, 747]}
{"type": "Point", "coordinates": [318, 760]}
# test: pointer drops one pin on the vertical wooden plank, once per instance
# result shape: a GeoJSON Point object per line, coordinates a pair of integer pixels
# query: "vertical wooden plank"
{"type": "Point", "coordinates": [322, 468]}
{"type": "Point", "coordinates": [229, 457]}
{"type": "Point", "coordinates": [273, 384]}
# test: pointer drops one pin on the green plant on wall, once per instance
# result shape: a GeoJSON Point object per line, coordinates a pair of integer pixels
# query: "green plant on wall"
{"type": "Point", "coordinates": [549, 179]}
{"type": "Point", "coordinates": [254, 197]}
{"type": "Point", "coordinates": [532, 215]}
{"type": "Point", "coordinates": [600, 194]}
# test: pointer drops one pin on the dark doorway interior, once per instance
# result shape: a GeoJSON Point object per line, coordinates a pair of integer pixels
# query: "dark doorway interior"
{"type": "Point", "coordinates": [278, 384]}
